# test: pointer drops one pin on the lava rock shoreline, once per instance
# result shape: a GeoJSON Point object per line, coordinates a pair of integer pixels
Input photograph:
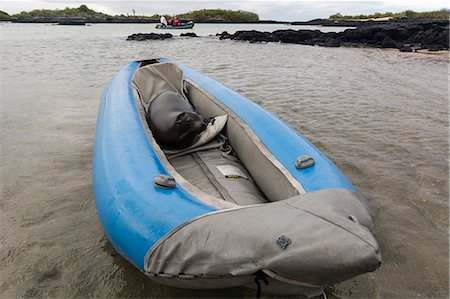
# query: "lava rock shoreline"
{"type": "Point", "coordinates": [157, 36]}
{"type": "Point", "coordinates": [405, 36]}
{"type": "Point", "coordinates": [149, 36]}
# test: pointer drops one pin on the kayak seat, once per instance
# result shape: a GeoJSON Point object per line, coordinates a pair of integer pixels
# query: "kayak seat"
{"type": "Point", "coordinates": [217, 175]}
{"type": "Point", "coordinates": [211, 165]}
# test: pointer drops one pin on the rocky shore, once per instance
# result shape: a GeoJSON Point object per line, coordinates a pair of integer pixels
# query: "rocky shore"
{"type": "Point", "coordinates": [149, 36]}
{"type": "Point", "coordinates": [157, 36]}
{"type": "Point", "coordinates": [407, 36]}
{"type": "Point", "coordinates": [328, 22]}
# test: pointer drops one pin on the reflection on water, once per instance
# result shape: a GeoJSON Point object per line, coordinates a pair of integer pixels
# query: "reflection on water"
{"type": "Point", "coordinates": [381, 115]}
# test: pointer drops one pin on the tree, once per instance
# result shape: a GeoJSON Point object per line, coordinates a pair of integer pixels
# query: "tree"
{"type": "Point", "coordinates": [409, 14]}
{"type": "Point", "coordinates": [84, 8]}
{"type": "Point", "coordinates": [4, 15]}
{"type": "Point", "coordinates": [336, 16]}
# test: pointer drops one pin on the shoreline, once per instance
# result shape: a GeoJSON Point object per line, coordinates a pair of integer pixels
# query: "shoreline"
{"type": "Point", "coordinates": [315, 22]}
{"type": "Point", "coordinates": [126, 21]}
{"type": "Point", "coordinates": [429, 35]}
{"type": "Point", "coordinates": [406, 35]}
{"type": "Point", "coordinates": [410, 36]}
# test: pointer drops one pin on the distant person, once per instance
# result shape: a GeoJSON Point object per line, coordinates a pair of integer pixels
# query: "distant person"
{"type": "Point", "coordinates": [163, 21]}
{"type": "Point", "coordinates": [169, 22]}
{"type": "Point", "coordinates": [176, 21]}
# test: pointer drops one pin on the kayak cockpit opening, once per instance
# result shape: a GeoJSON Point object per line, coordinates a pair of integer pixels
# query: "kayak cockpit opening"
{"type": "Point", "coordinates": [232, 165]}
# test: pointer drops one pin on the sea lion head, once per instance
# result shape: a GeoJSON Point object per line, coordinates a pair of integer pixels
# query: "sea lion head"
{"type": "Point", "coordinates": [189, 125]}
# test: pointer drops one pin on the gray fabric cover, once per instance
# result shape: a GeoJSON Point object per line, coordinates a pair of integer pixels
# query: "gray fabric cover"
{"type": "Point", "coordinates": [274, 286]}
{"type": "Point", "coordinates": [242, 191]}
{"type": "Point", "coordinates": [153, 79]}
{"type": "Point", "coordinates": [272, 181]}
{"type": "Point", "coordinates": [326, 246]}
{"type": "Point", "coordinates": [200, 169]}
{"type": "Point", "coordinates": [188, 167]}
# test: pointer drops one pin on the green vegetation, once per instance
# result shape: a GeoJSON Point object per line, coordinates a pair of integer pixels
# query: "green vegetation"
{"type": "Point", "coordinates": [4, 15]}
{"type": "Point", "coordinates": [220, 15]}
{"type": "Point", "coordinates": [81, 12]}
{"type": "Point", "coordinates": [437, 14]}
{"type": "Point", "coordinates": [122, 16]}
{"type": "Point", "coordinates": [217, 15]}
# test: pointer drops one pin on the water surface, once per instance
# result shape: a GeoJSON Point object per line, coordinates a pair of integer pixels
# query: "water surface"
{"type": "Point", "coordinates": [380, 115]}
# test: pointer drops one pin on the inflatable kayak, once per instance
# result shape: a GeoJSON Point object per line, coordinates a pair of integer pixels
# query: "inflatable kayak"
{"type": "Point", "coordinates": [187, 25]}
{"type": "Point", "coordinates": [255, 205]}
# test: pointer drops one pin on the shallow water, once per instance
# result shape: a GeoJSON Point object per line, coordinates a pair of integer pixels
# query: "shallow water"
{"type": "Point", "coordinates": [380, 115]}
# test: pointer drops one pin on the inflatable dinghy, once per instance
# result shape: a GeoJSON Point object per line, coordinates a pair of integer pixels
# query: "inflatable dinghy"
{"type": "Point", "coordinates": [255, 205]}
{"type": "Point", "coordinates": [186, 25]}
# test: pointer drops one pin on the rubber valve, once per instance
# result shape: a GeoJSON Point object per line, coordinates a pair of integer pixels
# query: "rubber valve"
{"type": "Point", "coordinates": [164, 181]}
{"type": "Point", "coordinates": [304, 162]}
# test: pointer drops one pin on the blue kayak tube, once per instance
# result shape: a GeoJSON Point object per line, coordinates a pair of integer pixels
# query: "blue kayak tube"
{"type": "Point", "coordinates": [310, 230]}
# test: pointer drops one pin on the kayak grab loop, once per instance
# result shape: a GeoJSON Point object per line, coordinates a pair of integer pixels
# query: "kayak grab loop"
{"type": "Point", "coordinates": [260, 275]}
{"type": "Point", "coordinates": [164, 181]}
{"type": "Point", "coordinates": [304, 161]}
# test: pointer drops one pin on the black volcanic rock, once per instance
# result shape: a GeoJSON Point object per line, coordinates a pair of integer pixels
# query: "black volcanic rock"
{"type": "Point", "coordinates": [190, 34]}
{"type": "Point", "coordinates": [224, 35]}
{"type": "Point", "coordinates": [327, 22]}
{"type": "Point", "coordinates": [332, 42]}
{"type": "Point", "coordinates": [406, 49]}
{"type": "Point", "coordinates": [434, 48]}
{"type": "Point", "coordinates": [149, 36]}
{"type": "Point", "coordinates": [432, 34]}
{"type": "Point", "coordinates": [252, 36]}
{"type": "Point", "coordinates": [388, 42]}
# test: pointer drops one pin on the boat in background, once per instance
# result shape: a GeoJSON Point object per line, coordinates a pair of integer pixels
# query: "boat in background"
{"type": "Point", "coordinates": [186, 25]}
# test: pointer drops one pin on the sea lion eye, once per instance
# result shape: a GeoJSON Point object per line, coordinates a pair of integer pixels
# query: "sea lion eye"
{"type": "Point", "coordinates": [181, 115]}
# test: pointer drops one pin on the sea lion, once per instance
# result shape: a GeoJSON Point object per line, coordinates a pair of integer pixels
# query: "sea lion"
{"type": "Point", "coordinates": [173, 121]}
